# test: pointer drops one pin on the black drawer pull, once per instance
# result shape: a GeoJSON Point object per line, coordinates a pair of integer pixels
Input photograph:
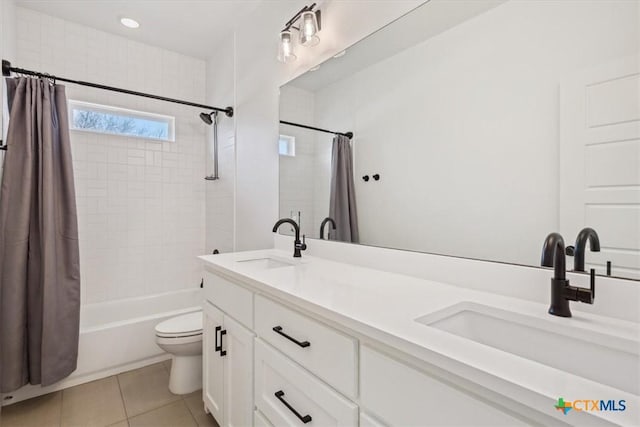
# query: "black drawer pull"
{"type": "Point", "coordinates": [305, 419]}
{"type": "Point", "coordinates": [217, 347]}
{"type": "Point", "coordinates": [278, 330]}
{"type": "Point", "coordinates": [222, 352]}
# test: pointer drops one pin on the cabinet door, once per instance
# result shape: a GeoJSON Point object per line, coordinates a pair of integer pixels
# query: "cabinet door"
{"type": "Point", "coordinates": [400, 395]}
{"type": "Point", "coordinates": [213, 364]}
{"type": "Point", "coordinates": [238, 374]}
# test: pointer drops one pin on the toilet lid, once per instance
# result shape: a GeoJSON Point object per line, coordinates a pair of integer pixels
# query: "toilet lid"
{"type": "Point", "coordinates": [187, 324]}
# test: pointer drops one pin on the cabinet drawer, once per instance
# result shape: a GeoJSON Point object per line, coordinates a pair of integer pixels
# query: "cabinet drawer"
{"type": "Point", "coordinates": [403, 396]}
{"type": "Point", "coordinates": [233, 299]}
{"type": "Point", "coordinates": [288, 395]}
{"type": "Point", "coordinates": [326, 352]}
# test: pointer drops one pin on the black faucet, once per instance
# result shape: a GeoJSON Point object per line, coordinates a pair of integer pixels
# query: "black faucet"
{"type": "Point", "coordinates": [297, 244]}
{"type": "Point", "coordinates": [581, 246]}
{"type": "Point", "coordinates": [324, 222]}
{"type": "Point", "coordinates": [553, 255]}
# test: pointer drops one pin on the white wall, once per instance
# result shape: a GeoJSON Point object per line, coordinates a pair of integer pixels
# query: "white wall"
{"type": "Point", "coordinates": [463, 128]}
{"type": "Point", "coordinates": [140, 203]}
{"type": "Point", "coordinates": [257, 78]}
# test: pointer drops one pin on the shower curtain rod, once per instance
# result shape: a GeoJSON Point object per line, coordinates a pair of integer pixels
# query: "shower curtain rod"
{"type": "Point", "coordinates": [7, 69]}
{"type": "Point", "coordinates": [347, 134]}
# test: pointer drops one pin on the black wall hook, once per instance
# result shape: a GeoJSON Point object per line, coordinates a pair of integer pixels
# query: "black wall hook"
{"type": "Point", "coordinates": [366, 178]}
{"type": "Point", "coordinates": [376, 177]}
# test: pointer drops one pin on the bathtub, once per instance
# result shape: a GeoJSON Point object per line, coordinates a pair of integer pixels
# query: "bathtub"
{"type": "Point", "coordinates": [117, 336]}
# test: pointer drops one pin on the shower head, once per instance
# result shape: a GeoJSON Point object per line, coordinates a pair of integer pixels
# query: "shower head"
{"type": "Point", "coordinates": [207, 117]}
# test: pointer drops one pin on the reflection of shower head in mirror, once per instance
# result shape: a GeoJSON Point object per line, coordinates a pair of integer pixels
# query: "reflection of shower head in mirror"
{"type": "Point", "coordinates": [206, 117]}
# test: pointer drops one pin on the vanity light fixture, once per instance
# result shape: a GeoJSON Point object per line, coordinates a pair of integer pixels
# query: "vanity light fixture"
{"type": "Point", "coordinates": [308, 29]}
{"type": "Point", "coordinates": [129, 22]}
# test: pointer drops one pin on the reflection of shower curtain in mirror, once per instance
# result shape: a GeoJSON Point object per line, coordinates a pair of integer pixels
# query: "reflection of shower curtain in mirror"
{"type": "Point", "coordinates": [39, 255]}
{"type": "Point", "coordinates": [342, 204]}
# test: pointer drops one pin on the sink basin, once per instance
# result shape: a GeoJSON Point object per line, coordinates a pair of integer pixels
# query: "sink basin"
{"type": "Point", "coordinates": [265, 263]}
{"type": "Point", "coordinates": [606, 359]}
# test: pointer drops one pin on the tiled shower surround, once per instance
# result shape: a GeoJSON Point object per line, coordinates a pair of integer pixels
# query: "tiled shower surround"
{"type": "Point", "coordinates": [141, 203]}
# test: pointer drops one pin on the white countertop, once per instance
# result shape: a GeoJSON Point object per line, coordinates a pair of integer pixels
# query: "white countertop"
{"type": "Point", "coordinates": [383, 306]}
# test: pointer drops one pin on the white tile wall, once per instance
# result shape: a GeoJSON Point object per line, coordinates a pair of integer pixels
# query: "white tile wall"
{"type": "Point", "coordinates": [141, 205]}
{"type": "Point", "coordinates": [297, 174]}
{"type": "Point", "coordinates": [220, 194]}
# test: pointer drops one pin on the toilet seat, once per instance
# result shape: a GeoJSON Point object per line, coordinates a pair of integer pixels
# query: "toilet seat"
{"type": "Point", "coordinates": [185, 326]}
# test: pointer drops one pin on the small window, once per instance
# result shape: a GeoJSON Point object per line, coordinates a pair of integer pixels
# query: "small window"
{"type": "Point", "coordinates": [287, 145]}
{"type": "Point", "coordinates": [87, 117]}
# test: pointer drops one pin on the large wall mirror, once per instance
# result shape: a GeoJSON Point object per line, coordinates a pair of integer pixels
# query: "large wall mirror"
{"type": "Point", "coordinates": [479, 126]}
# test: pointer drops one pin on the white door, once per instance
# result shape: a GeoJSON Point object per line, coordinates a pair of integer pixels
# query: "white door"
{"type": "Point", "coordinates": [213, 363]}
{"type": "Point", "coordinates": [600, 162]}
{"type": "Point", "coordinates": [238, 374]}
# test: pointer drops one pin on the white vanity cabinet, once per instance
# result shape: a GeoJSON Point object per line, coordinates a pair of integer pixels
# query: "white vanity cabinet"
{"type": "Point", "coordinates": [227, 364]}
{"type": "Point", "coordinates": [212, 362]}
{"type": "Point", "coordinates": [400, 395]}
{"type": "Point", "coordinates": [283, 367]}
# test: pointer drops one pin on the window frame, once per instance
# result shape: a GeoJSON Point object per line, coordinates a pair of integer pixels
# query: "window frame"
{"type": "Point", "coordinates": [74, 104]}
{"type": "Point", "coordinates": [290, 142]}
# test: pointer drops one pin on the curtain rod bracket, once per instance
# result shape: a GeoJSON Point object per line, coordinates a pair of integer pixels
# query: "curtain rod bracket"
{"type": "Point", "coordinates": [6, 68]}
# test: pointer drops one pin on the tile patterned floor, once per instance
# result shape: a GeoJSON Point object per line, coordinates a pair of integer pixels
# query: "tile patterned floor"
{"type": "Point", "coordinates": [132, 399]}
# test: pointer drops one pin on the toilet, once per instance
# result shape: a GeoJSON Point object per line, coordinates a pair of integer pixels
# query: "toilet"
{"type": "Point", "coordinates": [181, 336]}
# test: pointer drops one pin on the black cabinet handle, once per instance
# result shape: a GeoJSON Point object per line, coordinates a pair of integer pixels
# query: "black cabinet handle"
{"type": "Point", "coordinates": [222, 352]}
{"type": "Point", "coordinates": [305, 419]}
{"type": "Point", "coordinates": [217, 347]}
{"type": "Point", "coordinates": [278, 330]}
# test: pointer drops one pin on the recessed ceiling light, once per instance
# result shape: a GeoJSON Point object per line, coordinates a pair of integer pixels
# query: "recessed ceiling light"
{"type": "Point", "coordinates": [129, 23]}
{"type": "Point", "coordinates": [340, 54]}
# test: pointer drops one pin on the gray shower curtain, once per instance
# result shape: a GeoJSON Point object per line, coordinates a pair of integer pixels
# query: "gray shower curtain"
{"type": "Point", "coordinates": [342, 204]}
{"type": "Point", "coordinates": [39, 257]}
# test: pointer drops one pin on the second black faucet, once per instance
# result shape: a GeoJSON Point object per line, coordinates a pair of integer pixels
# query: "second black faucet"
{"type": "Point", "coordinates": [553, 255]}
{"type": "Point", "coordinates": [298, 246]}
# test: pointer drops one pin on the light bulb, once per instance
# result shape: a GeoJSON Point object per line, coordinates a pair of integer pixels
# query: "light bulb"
{"type": "Point", "coordinates": [285, 49]}
{"type": "Point", "coordinates": [308, 29]}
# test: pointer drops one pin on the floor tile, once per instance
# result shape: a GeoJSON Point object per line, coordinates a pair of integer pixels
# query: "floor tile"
{"type": "Point", "coordinates": [124, 423]}
{"type": "Point", "coordinates": [174, 415]}
{"type": "Point", "coordinates": [196, 406]}
{"type": "Point", "coordinates": [42, 411]}
{"type": "Point", "coordinates": [145, 389]}
{"type": "Point", "coordinates": [167, 365]}
{"type": "Point", "coordinates": [97, 403]}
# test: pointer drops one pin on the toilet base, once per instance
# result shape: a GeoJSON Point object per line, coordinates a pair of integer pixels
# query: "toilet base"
{"type": "Point", "coordinates": [186, 374]}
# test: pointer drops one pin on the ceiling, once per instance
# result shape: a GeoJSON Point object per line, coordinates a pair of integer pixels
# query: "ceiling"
{"type": "Point", "coordinates": [424, 22]}
{"type": "Point", "coordinates": [190, 27]}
